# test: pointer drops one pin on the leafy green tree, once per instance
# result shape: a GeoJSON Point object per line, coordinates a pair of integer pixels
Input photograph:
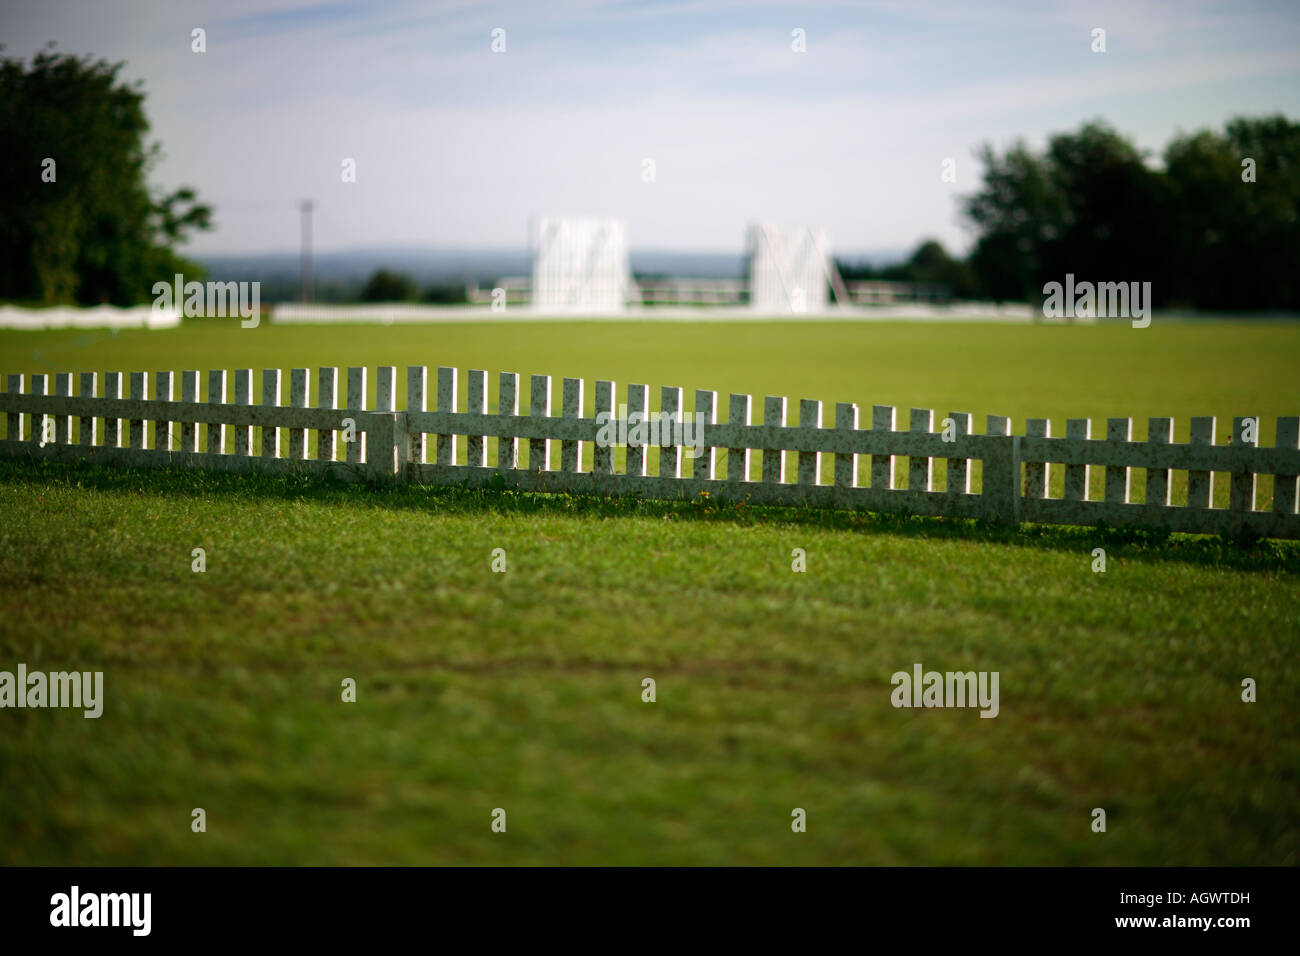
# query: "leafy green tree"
{"type": "Point", "coordinates": [387, 286]}
{"type": "Point", "coordinates": [445, 293]}
{"type": "Point", "coordinates": [78, 221]}
{"type": "Point", "coordinates": [1198, 230]}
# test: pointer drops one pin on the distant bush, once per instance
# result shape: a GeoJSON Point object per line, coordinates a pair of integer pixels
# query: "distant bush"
{"type": "Point", "coordinates": [445, 293]}
{"type": "Point", "coordinates": [385, 285]}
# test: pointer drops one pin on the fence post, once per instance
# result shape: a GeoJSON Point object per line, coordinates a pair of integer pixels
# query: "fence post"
{"type": "Point", "coordinates": [508, 404]}
{"type": "Point", "coordinates": [90, 424]}
{"type": "Point", "coordinates": [139, 392]}
{"type": "Point", "coordinates": [445, 448]}
{"type": "Point", "coordinates": [270, 399]}
{"type": "Point", "coordinates": [602, 456]}
{"type": "Point", "coordinates": [15, 419]}
{"type": "Point", "coordinates": [189, 394]}
{"type": "Point", "coordinates": [809, 464]}
{"type": "Point", "coordinates": [63, 423]}
{"type": "Point", "coordinates": [670, 453]}
{"type": "Point", "coordinates": [327, 399]}
{"type": "Point", "coordinates": [162, 391]}
{"type": "Point", "coordinates": [354, 454]}
{"type": "Point", "coordinates": [1284, 485]}
{"type": "Point", "coordinates": [1037, 473]}
{"type": "Point", "coordinates": [387, 439]}
{"type": "Point", "coordinates": [846, 463]}
{"type": "Point", "coordinates": [1241, 480]}
{"type": "Point", "coordinates": [958, 479]}
{"type": "Point", "coordinates": [217, 396]}
{"type": "Point", "coordinates": [1200, 484]}
{"type": "Point", "coordinates": [112, 426]}
{"type": "Point", "coordinates": [920, 469]}
{"type": "Point", "coordinates": [1000, 494]}
{"type": "Point", "coordinates": [1160, 431]}
{"type": "Point", "coordinates": [1118, 476]}
{"type": "Point", "coordinates": [882, 466]}
{"type": "Point", "coordinates": [417, 387]}
{"type": "Point", "coordinates": [571, 411]}
{"type": "Point", "coordinates": [638, 403]}
{"type": "Point", "coordinates": [298, 398]}
{"type": "Point", "coordinates": [706, 410]}
{"type": "Point", "coordinates": [740, 409]}
{"type": "Point", "coordinates": [243, 396]}
{"type": "Point", "coordinates": [476, 445]}
{"type": "Point", "coordinates": [1077, 477]}
{"type": "Point", "coordinates": [774, 407]}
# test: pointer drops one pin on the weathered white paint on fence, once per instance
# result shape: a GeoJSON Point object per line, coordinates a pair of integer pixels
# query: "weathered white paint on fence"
{"type": "Point", "coordinates": [391, 442]}
{"type": "Point", "coordinates": [476, 446]}
{"type": "Point", "coordinates": [162, 391]}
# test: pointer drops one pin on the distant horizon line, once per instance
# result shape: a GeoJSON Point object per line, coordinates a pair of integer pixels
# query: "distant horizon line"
{"type": "Point", "coordinates": [503, 250]}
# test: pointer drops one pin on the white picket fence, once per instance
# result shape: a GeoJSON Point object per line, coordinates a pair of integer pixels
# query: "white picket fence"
{"type": "Point", "coordinates": [996, 475]}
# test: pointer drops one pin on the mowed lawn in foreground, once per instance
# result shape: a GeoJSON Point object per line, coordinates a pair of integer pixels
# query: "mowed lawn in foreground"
{"type": "Point", "coordinates": [522, 690]}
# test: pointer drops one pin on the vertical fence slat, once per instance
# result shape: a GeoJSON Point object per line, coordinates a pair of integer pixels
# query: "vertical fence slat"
{"type": "Point", "coordinates": [389, 452]}
{"type": "Point", "coordinates": [139, 392]}
{"type": "Point", "coordinates": [243, 396]}
{"type": "Point", "coordinates": [40, 386]}
{"type": "Point", "coordinates": [571, 395]}
{"type": "Point", "coordinates": [1077, 476]}
{"type": "Point", "coordinates": [1000, 473]}
{"type": "Point", "coordinates": [63, 423]}
{"type": "Point", "coordinates": [476, 445]}
{"type": "Point", "coordinates": [354, 453]}
{"type": "Point", "coordinates": [14, 420]}
{"type": "Point", "coordinates": [270, 399]}
{"type": "Point", "coordinates": [705, 463]}
{"type": "Point", "coordinates": [1241, 480]}
{"type": "Point", "coordinates": [809, 464]}
{"type": "Point", "coordinates": [448, 379]}
{"type": "Point", "coordinates": [89, 430]}
{"type": "Point", "coordinates": [1037, 473]}
{"type": "Point", "coordinates": [417, 392]}
{"type": "Point", "coordinates": [1284, 486]}
{"type": "Point", "coordinates": [920, 468]}
{"type": "Point", "coordinates": [1160, 431]}
{"type": "Point", "coordinates": [327, 399]}
{"type": "Point", "coordinates": [1118, 477]}
{"type": "Point", "coordinates": [508, 404]}
{"type": "Point", "coordinates": [740, 411]}
{"type": "Point", "coordinates": [638, 399]}
{"type": "Point", "coordinates": [163, 432]}
{"type": "Point", "coordinates": [958, 480]}
{"type": "Point", "coordinates": [189, 394]}
{"type": "Point", "coordinates": [386, 388]}
{"type": "Point", "coordinates": [216, 396]}
{"type": "Point", "coordinates": [299, 395]}
{"type": "Point", "coordinates": [670, 453]}
{"type": "Point", "coordinates": [882, 466]}
{"type": "Point", "coordinates": [1200, 484]}
{"type": "Point", "coordinates": [539, 406]}
{"type": "Point", "coordinates": [774, 408]}
{"type": "Point", "coordinates": [846, 463]}
{"type": "Point", "coordinates": [602, 456]}
{"type": "Point", "coordinates": [112, 426]}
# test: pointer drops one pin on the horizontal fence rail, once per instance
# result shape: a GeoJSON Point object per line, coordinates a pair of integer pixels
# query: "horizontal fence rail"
{"type": "Point", "coordinates": [623, 444]}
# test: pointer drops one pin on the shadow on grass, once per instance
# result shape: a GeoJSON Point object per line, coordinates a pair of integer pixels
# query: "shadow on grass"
{"type": "Point", "coordinates": [1237, 554]}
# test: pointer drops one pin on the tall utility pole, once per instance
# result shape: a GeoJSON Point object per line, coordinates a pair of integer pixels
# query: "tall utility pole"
{"type": "Point", "coordinates": [306, 250]}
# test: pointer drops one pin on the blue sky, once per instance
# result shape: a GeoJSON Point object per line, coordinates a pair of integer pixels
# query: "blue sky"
{"type": "Point", "coordinates": [458, 146]}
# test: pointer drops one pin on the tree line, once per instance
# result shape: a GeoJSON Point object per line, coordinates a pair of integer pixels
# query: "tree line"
{"type": "Point", "coordinates": [1214, 225]}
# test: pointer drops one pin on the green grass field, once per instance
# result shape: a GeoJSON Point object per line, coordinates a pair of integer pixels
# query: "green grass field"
{"type": "Point", "coordinates": [522, 690]}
